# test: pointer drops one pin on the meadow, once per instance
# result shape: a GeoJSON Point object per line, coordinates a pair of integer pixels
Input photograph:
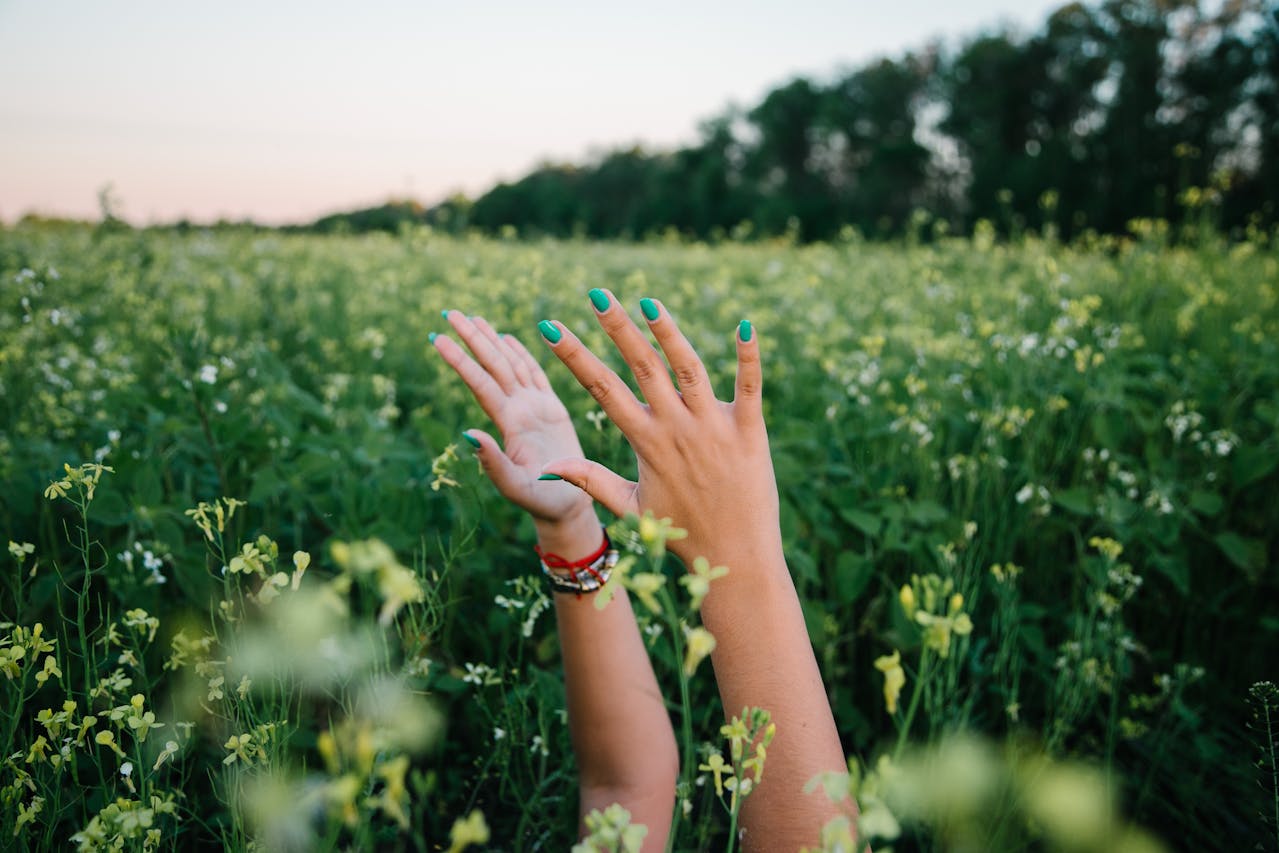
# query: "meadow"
{"type": "Point", "coordinates": [259, 596]}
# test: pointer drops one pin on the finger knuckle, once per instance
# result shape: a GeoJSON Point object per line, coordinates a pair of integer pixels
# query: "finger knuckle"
{"type": "Point", "coordinates": [645, 370]}
{"type": "Point", "coordinates": [599, 389]}
{"type": "Point", "coordinates": [688, 377]}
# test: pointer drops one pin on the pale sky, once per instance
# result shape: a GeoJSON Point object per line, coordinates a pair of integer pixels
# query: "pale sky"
{"type": "Point", "coordinates": [283, 111]}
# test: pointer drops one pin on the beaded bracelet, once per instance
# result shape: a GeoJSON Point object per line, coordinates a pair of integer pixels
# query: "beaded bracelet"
{"type": "Point", "coordinates": [585, 575]}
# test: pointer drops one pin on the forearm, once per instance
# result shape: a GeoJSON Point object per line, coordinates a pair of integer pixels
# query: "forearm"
{"type": "Point", "coordinates": [763, 658]}
{"type": "Point", "coordinates": [620, 729]}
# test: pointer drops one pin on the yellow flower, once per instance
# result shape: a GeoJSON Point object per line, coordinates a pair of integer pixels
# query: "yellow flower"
{"type": "Point", "coordinates": [50, 669]}
{"type": "Point", "coordinates": [240, 746]}
{"type": "Point", "coordinates": [57, 489]}
{"type": "Point", "coordinates": [700, 644]}
{"type": "Point", "coordinates": [142, 722]}
{"type": "Point", "coordinates": [907, 597]}
{"type": "Point", "coordinates": [716, 767]}
{"type": "Point", "coordinates": [107, 738]}
{"type": "Point", "coordinates": [38, 750]}
{"type": "Point", "coordinates": [28, 815]}
{"type": "Point", "coordinates": [656, 532]}
{"type": "Point", "coordinates": [467, 831]}
{"type": "Point", "coordinates": [395, 795]}
{"type": "Point", "coordinates": [894, 678]}
{"type": "Point", "coordinates": [301, 560]}
{"type": "Point", "coordinates": [398, 586]}
{"type": "Point", "coordinates": [737, 733]}
{"type": "Point", "coordinates": [1108, 547]}
{"type": "Point", "coordinates": [170, 749]}
{"type": "Point", "coordinates": [699, 582]}
{"type": "Point", "coordinates": [938, 629]}
{"type": "Point", "coordinates": [9, 657]}
{"type": "Point", "coordinates": [248, 561]}
{"type": "Point", "coordinates": [644, 585]}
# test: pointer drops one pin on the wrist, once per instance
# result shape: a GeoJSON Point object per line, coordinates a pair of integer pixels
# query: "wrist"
{"type": "Point", "coordinates": [571, 537]}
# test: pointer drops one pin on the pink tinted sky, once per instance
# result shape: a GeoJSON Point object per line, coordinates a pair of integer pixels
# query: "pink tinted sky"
{"type": "Point", "coordinates": [282, 111]}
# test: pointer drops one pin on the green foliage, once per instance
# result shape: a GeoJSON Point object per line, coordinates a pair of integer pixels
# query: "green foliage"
{"type": "Point", "coordinates": [1078, 441]}
{"type": "Point", "coordinates": [1107, 112]}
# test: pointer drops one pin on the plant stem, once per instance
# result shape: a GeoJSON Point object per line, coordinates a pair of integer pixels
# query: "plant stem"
{"type": "Point", "coordinates": [732, 821]}
{"type": "Point", "coordinates": [915, 695]}
{"type": "Point", "coordinates": [687, 761]}
{"type": "Point", "coordinates": [1274, 768]}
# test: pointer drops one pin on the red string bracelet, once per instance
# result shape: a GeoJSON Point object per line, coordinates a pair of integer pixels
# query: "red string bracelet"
{"type": "Point", "coordinates": [602, 556]}
{"type": "Point", "coordinates": [555, 561]}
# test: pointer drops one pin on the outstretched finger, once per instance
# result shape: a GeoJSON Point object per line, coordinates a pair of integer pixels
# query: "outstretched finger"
{"type": "Point", "coordinates": [485, 389]}
{"type": "Point", "coordinates": [518, 367]}
{"type": "Point", "coordinates": [640, 356]}
{"type": "Point", "coordinates": [690, 373]}
{"type": "Point", "coordinates": [488, 355]}
{"type": "Point", "coordinates": [604, 385]}
{"type": "Point", "coordinates": [615, 493]}
{"type": "Point", "coordinates": [748, 399]}
{"type": "Point", "coordinates": [534, 369]}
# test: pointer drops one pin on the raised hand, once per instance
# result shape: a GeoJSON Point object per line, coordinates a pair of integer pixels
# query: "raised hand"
{"type": "Point", "coordinates": [612, 695]}
{"type": "Point", "coordinates": [702, 462]}
{"type": "Point", "coordinates": [705, 464]}
{"type": "Point", "coordinates": [535, 427]}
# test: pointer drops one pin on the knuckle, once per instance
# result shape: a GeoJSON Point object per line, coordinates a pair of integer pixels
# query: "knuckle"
{"type": "Point", "coordinates": [613, 321]}
{"type": "Point", "coordinates": [599, 389]}
{"type": "Point", "coordinates": [644, 369]}
{"type": "Point", "coordinates": [688, 377]}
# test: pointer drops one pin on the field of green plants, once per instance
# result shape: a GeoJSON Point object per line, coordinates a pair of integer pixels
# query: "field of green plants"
{"type": "Point", "coordinates": [259, 596]}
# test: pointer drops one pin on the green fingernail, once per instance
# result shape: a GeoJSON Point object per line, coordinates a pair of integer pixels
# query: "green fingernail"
{"type": "Point", "coordinates": [550, 477]}
{"type": "Point", "coordinates": [550, 331]}
{"type": "Point", "coordinates": [431, 337]}
{"type": "Point", "coordinates": [744, 331]}
{"type": "Point", "coordinates": [445, 313]}
{"type": "Point", "coordinates": [472, 440]}
{"type": "Point", "coordinates": [649, 307]}
{"type": "Point", "coordinates": [599, 299]}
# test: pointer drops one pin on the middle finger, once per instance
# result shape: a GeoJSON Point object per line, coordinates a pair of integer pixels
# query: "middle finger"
{"type": "Point", "coordinates": [488, 355]}
{"type": "Point", "coordinates": [641, 357]}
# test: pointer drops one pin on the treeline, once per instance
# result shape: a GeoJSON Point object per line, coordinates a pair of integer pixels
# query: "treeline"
{"type": "Point", "coordinates": [1128, 109]}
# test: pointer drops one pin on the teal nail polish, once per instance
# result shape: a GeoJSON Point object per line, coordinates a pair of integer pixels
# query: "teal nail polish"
{"type": "Point", "coordinates": [649, 307]}
{"type": "Point", "coordinates": [744, 331]}
{"type": "Point", "coordinates": [599, 299]}
{"type": "Point", "coordinates": [550, 331]}
{"type": "Point", "coordinates": [471, 440]}
{"type": "Point", "coordinates": [431, 337]}
{"type": "Point", "coordinates": [445, 313]}
{"type": "Point", "coordinates": [550, 477]}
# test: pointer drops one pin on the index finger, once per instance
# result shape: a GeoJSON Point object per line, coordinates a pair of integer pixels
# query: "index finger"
{"type": "Point", "coordinates": [608, 389]}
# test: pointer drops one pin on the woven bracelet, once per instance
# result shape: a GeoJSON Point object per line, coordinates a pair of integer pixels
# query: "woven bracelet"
{"type": "Point", "coordinates": [578, 576]}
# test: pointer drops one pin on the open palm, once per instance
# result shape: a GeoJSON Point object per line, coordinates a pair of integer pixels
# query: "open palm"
{"type": "Point", "coordinates": [535, 427]}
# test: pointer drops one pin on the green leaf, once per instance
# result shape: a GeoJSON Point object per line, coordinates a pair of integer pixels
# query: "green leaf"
{"type": "Point", "coordinates": [925, 513]}
{"type": "Point", "coordinates": [109, 508]}
{"type": "Point", "coordinates": [1250, 463]}
{"type": "Point", "coordinates": [1175, 569]}
{"type": "Point", "coordinates": [814, 619]}
{"type": "Point", "coordinates": [1206, 503]}
{"type": "Point", "coordinates": [866, 522]}
{"type": "Point", "coordinates": [1077, 500]}
{"type": "Point", "coordinates": [853, 572]}
{"type": "Point", "coordinates": [147, 489]}
{"type": "Point", "coordinates": [266, 484]}
{"type": "Point", "coordinates": [1248, 554]}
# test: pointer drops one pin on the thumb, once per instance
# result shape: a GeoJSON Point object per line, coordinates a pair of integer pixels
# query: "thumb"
{"type": "Point", "coordinates": [497, 466]}
{"type": "Point", "coordinates": [616, 494]}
